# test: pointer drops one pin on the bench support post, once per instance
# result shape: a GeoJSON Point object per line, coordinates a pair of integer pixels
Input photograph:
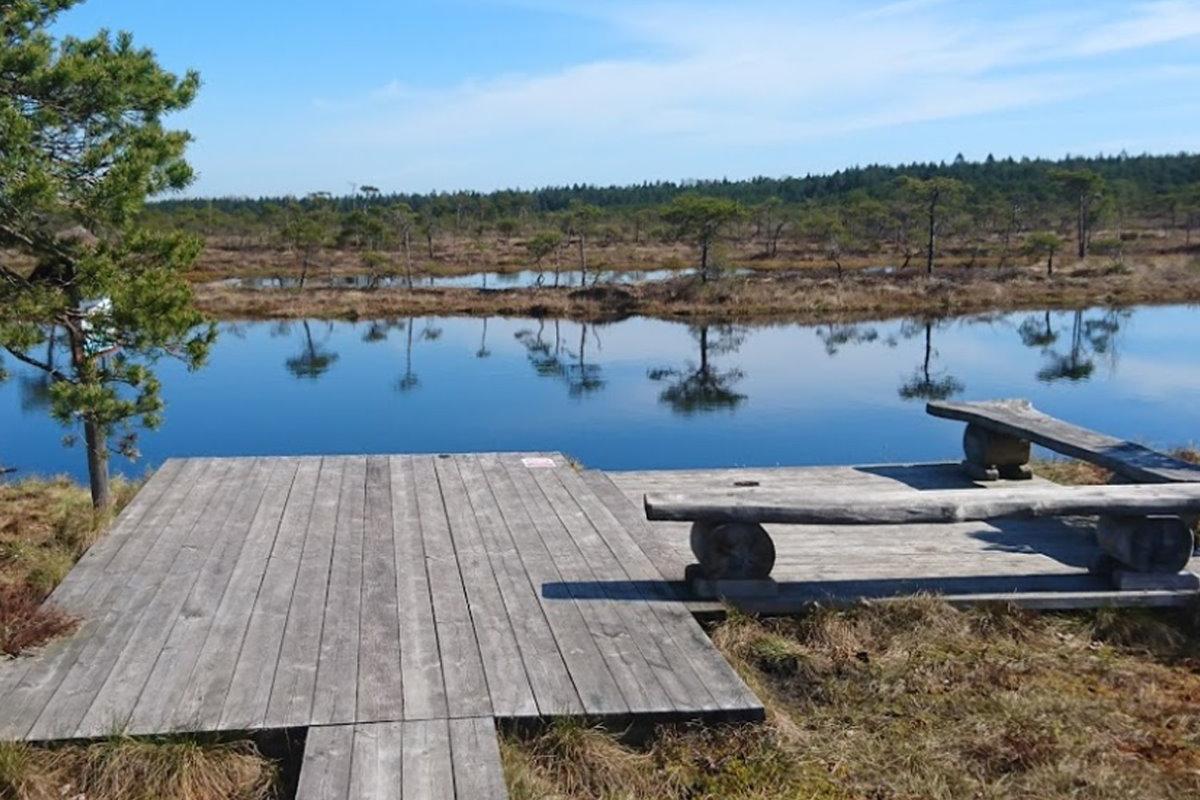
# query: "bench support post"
{"type": "Point", "coordinates": [1154, 545]}
{"type": "Point", "coordinates": [735, 559]}
{"type": "Point", "coordinates": [990, 456]}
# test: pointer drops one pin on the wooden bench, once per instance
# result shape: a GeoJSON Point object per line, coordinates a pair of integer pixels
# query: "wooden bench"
{"type": "Point", "coordinates": [1141, 530]}
{"type": "Point", "coordinates": [997, 441]}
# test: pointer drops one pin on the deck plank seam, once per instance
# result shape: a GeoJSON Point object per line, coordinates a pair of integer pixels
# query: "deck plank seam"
{"type": "Point", "coordinates": [437, 633]}
{"type": "Point", "coordinates": [505, 525]}
{"type": "Point", "coordinates": [266, 571]}
{"type": "Point", "coordinates": [228, 501]}
{"type": "Point", "coordinates": [629, 611]}
{"type": "Point", "coordinates": [518, 498]}
{"type": "Point", "coordinates": [261, 580]}
{"type": "Point", "coordinates": [461, 582]}
{"type": "Point", "coordinates": [120, 596]}
{"type": "Point", "coordinates": [308, 529]}
{"type": "Point", "coordinates": [58, 652]}
{"type": "Point", "coordinates": [654, 604]}
{"type": "Point", "coordinates": [491, 567]}
{"type": "Point", "coordinates": [198, 695]}
{"type": "Point", "coordinates": [239, 542]}
{"type": "Point", "coordinates": [599, 605]}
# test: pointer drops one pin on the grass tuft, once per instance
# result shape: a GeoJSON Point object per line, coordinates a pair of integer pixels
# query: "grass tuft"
{"type": "Point", "coordinates": [918, 699]}
{"type": "Point", "coordinates": [129, 769]}
{"type": "Point", "coordinates": [25, 623]}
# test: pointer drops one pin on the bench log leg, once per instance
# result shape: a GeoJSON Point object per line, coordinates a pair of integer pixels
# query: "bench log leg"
{"type": "Point", "coordinates": [735, 559]}
{"type": "Point", "coordinates": [1143, 553]}
{"type": "Point", "coordinates": [991, 456]}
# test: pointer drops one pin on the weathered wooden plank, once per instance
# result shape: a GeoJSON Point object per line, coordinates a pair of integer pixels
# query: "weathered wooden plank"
{"type": "Point", "coordinates": [588, 666]}
{"type": "Point", "coordinates": [670, 663]}
{"type": "Point", "coordinates": [129, 585]}
{"type": "Point", "coordinates": [169, 677]}
{"type": "Point", "coordinates": [615, 527]}
{"type": "Point", "coordinates": [663, 552]}
{"type": "Point", "coordinates": [462, 664]}
{"type": "Point", "coordinates": [92, 565]}
{"type": "Point", "coordinates": [249, 692]}
{"type": "Point", "coordinates": [1019, 419]}
{"type": "Point", "coordinates": [204, 696]}
{"type": "Point", "coordinates": [428, 770]}
{"type": "Point", "coordinates": [91, 599]}
{"type": "Point", "coordinates": [378, 761]}
{"type": "Point", "coordinates": [380, 679]}
{"type": "Point", "coordinates": [850, 507]}
{"type": "Point", "coordinates": [114, 703]}
{"type": "Point", "coordinates": [328, 759]}
{"type": "Point", "coordinates": [420, 662]}
{"type": "Point", "coordinates": [336, 697]}
{"type": "Point", "coordinates": [636, 678]}
{"type": "Point", "coordinates": [548, 674]}
{"type": "Point", "coordinates": [295, 674]}
{"type": "Point", "coordinates": [504, 667]}
{"type": "Point", "coordinates": [475, 754]}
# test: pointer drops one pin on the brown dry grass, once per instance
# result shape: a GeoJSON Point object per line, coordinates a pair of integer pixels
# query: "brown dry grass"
{"type": "Point", "coordinates": [45, 525]}
{"type": "Point", "coordinates": [812, 295]}
{"type": "Point", "coordinates": [1070, 472]}
{"type": "Point", "coordinates": [918, 700]}
{"type": "Point", "coordinates": [128, 769]}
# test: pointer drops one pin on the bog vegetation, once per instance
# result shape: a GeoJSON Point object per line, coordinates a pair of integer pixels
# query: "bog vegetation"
{"type": "Point", "coordinates": [999, 211]}
{"type": "Point", "coordinates": [915, 700]}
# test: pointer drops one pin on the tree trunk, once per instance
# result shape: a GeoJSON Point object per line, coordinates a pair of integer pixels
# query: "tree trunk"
{"type": "Point", "coordinates": [408, 259]}
{"type": "Point", "coordinates": [704, 261]}
{"type": "Point", "coordinates": [1050, 265]}
{"type": "Point", "coordinates": [96, 440]}
{"type": "Point", "coordinates": [1081, 227]}
{"type": "Point", "coordinates": [928, 349]}
{"type": "Point", "coordinates": [932, 234]}
{"type": "Point", "coordinates": [582, 260]}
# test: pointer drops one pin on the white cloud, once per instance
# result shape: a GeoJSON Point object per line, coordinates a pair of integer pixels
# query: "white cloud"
{"type": "Point", "coordinates": [758, 73]}
{"type": "Point", "coordinates": [1154, 23]}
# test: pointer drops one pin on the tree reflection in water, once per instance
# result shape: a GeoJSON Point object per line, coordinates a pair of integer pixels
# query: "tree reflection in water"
{"type": "Point", "coordinates": [836, 335]}
{"type": "Point", "coordinates": [1090, 336]}
{"type": "Point", "coordinates": [927, 383]}
{"type": "Point", "coordinates": [557, 360]}
{"type": "Point", "coordinates": [314, 358]}
{"type": "Point", "coordinates": [703, 387]}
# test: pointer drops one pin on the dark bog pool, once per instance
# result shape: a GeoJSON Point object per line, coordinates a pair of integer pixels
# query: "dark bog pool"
{"type": "Point", "coordinates": [645, 393]}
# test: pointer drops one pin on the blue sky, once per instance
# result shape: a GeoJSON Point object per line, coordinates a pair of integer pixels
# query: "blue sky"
{"type": "Point", "coordinates": [408, 95]}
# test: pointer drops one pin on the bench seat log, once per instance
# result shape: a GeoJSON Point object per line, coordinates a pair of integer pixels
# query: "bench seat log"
{"type": "Point", "coordinates": [943, 505]}
{"type": "Point", "coordinates": [1140, 528]}
{"type": "Point", "coordinates": [998, 424]}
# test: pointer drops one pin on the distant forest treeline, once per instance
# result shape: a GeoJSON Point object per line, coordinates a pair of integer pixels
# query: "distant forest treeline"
{"type": "Point", "coordinates": [1149, 176]}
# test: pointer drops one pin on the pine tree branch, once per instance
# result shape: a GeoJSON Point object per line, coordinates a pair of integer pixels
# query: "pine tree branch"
{"type": "Point", "coordinates": [55, 373]}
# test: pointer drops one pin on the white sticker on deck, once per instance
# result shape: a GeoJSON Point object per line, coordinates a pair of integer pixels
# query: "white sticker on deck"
{"type": "Point", "coordinates": [538, 463]}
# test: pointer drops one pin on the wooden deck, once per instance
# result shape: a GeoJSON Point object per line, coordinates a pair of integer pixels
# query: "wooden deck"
{"type": "Point", "coordinates": [397, 607]}
{"type": "Point", "coordinates": [1041, 563]}
{"type": "Point", "coordinates": [417, 760]}
{"type": "Point", "coordinates": [417, 592]}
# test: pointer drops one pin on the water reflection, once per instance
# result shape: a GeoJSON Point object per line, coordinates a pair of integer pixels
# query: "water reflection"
{"type": "Point", "coordinates": [703, 387]}
{"type": "Point", "coordinates": [836, 335]}
{"type": "Point", "coordinates": [641, 392]}
{"type": "Point", "coordinates": [926, 382]}
{"type": "Point", "coordinates": [1090, 336]}
{"type": "Point", "coordinates": [557, 360]}
{"type": "Point", "coordinates": [314, 358]}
